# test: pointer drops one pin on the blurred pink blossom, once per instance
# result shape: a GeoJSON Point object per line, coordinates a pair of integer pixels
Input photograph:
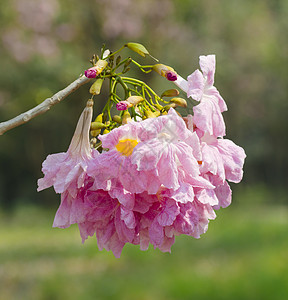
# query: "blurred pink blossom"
{"type": "Point", "coordinates": [37, 15]}
{"type": "Point", "coordinates": [15, 43]}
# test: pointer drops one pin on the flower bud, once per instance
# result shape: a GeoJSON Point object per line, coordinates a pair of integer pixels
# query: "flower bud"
{"type": "Point", "coordinates": [101, 65]}
{"type": "Point", "coordinates": [133, 100]}
{"type": "Point", "coordinates": [93, 142]}
{"type": "Point", "coordinates": [117, 119]}
{"type": "Point", "coordinates": [126, 117]}
{"type": "Point", "coordinates": [170, 93]}
{"type": "Point", "coordinates": [118, 60]}
{"type": "Point", "coordinates": [98, 119]}
{"type": "Point", "coordinates": [179, 101]}
{"type": "Point", "coordinates": [91, 73]}
{"type": "Point", "coordinates": [150, 114]}
{"type": "Point", "coordinates": [94, 133]}
{"type": "Point", "coordinates": [171, 76]}
{"type": "Point", "coordinates": [97, 125]}
{"type": "Point", "coordinates": [123, 105]}
{"type": "Point", "coordinates": [138, 48]}
{"type": "Point", "coordinates": [97, 69]}
{"type": "Point", "coordinates": [157, 113]}
{"type": "Point", "coordinates": [106, 53]}
{"type": "Point", "coordinates": [165, 71]}
{"type": "Point", "coordinates": [96, 87]}
{"type": "Point", "coordinates": [158, 106]}
{"type": "Point", "coordinates": [167, 107]}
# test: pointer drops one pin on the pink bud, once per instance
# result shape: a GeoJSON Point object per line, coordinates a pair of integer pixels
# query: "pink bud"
{"type": "Point", "coordinates": [91, 73]}
{"type": "Point", "coordinates": [171, 76]}
{"type": "Point", "coordinates": [122, 105]}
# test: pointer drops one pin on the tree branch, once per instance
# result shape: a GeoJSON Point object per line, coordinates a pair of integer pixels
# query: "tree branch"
{"type": "Point", "coordinates": [44, 106]}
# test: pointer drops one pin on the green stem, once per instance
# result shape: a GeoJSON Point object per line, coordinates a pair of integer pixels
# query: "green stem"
{"type": "Point", "coordinates": [120, 64]}
{"type": "Point", "coordinates": [113, 53]}
{"type": "Point", "coordinates": [125, 87]}
{"type": "Point", "coordinates": [141, 83]}
{"type": "Point", "coordinates": [142, 67]}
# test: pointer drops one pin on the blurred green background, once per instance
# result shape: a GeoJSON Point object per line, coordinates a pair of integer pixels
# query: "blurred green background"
{"type": "Point", "coordinates": [45, 45]}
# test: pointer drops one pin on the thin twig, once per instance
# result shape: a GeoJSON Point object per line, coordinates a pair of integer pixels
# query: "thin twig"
{"type": "Point", "coordinates": [44, 106]}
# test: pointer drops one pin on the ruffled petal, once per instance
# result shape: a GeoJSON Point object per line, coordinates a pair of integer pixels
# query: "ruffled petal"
{"type": "Point", "coordinates": [208, 117]}
{"type": "Point", "coordinates": [233, 158]}
{"type": "Point", "coordinates": [50, 168]}
{"type": "Point", "coordinates": [208, 64]}
{"type": "Point", "coordinates": [196, 84]}
{"type": "Point", "coordinates": [224, 195]}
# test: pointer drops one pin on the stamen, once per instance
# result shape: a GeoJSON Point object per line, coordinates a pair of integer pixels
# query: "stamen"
{"type": "Point", "coordinates": [126, 146]}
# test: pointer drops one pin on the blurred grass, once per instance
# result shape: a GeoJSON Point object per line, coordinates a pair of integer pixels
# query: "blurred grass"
{"type": "Point", "coordinates": [244, 255]}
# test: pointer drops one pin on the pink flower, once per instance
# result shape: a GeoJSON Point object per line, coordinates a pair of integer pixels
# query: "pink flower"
{"type": "Point", "coordinates": [113, 223]}
{"type": "Point", "coordinates": [172, 153]}
{"type": "Point", "coordinates": [67, 172]}
{"type": "Point", "coordinates": [114, 167]}
{"type": "Point", "coordinates": [160, 217]}
{"type": "Point", "coordinates": [72, 209]}
{"type": "Point", "coordinates": [221, 196]}
{"type": "Point", "coordinates": [145, 155]}
{"type": "Point", "coordinates": [167, 218]}
{"type": "Point", "coordinates": [220, 157]}
{"type": "Point", "coordinates": [200, 86]}
{"type": "Point", "coordinates": [207, 115]}
{"type": "Point", "coordinates": [194, 218]}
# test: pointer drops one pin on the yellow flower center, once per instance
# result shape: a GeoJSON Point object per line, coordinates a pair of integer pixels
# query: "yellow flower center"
{"type": "Point", "coordinates": [126, 146]}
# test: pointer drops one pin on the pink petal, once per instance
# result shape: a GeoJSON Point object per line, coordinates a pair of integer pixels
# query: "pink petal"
{"type": "Point", "coordinates": [224, 195]}
{"type": "Point", "coordinates": [233, 158]}
{"type": "Point", "coordinates": [86, 229]}
{"type": "Point", "coordinates": [143, 202]}
{"type": "Point", "coordinates": [208, 65]}
{"type": "Point", "coordinates": [212, 162]}
{"type": "Point", "coordinates": [207, 197]}
{"type": "Point", "coordinates": [99, 205]}
{"type": "Point", "coordinates": [115, 245]}
{"type": "Point", "coordinates": [208, 117]}
{"type": "Point", "coordinates": [144, 239]}
{"type": "Point", "coordinates": [184, 194]}
{"type": "Point", "coordinates": [196, 84]}
{"type": "Point", "coordinates": [156, 234]}
{"type": "Point", "coordinates": [124, 233]}
{"type": "Point", "coordinates": [50, 168]}
{"type": "Point", "coordinates": [213, 92]}
{"type": "Point", "coordinates": [167, 243]}
{"type": "Point", "coordinates": [128, 217]}
{"type": "Point", "coordinates": [104, 234]}
{"type": "Point", "coordinates": [62, 217]}
{"type": "Point", "coordinates": [168, 214]}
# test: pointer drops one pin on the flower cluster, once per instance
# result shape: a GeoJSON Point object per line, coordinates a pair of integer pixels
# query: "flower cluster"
{"type": "Point", "coordinates": [155, 179]}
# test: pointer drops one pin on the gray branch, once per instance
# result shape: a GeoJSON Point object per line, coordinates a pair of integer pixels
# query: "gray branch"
{"type": "Point", "coordinates": [44, 106]}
